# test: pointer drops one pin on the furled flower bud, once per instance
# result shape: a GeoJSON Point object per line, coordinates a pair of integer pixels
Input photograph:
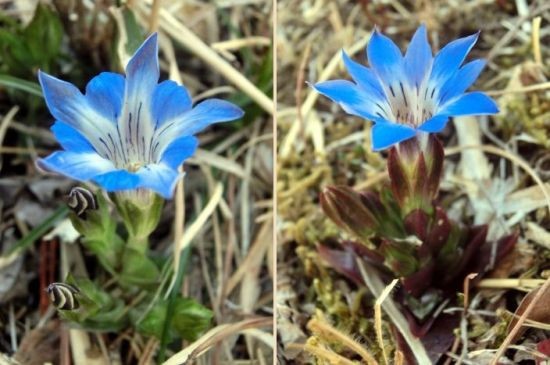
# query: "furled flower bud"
{"type": "Point", "coordinates": [415, 168]}
{"type": "Point", "coordinates": [81, 200]}
{"type": "Point", "coordinates": [345, 207]}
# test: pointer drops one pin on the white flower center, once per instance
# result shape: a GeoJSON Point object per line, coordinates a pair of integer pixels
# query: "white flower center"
{"type": "Point", "coordinates": [131, 144]}
{"type": "Point", "coordinates": [411, 105]}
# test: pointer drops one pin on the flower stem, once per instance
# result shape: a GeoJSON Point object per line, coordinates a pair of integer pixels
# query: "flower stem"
{"type": "Point", "coordinates": [138, 243]}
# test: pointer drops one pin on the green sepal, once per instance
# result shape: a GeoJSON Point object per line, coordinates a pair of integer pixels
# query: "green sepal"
{"type": "Point", "coordinates": [140, 211]}
{"type": "Point", "coordinates": [138, 269]}
{"type": "Point", "coordinates": [98, 230]}
{"type": "Point", "coordinates": [190, 319]}
{"type": "Point", "coordinates": [391, 224]}
{"type": "Point", "coordinates": [415, 168]}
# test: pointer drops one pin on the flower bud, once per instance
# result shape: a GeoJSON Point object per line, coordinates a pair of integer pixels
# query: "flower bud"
{"type": "Point", "coordinates": [415, 172]}
{"type": "Point", "coordinates": [345, 207]}
{"type": "Point", "coordinates": [81, 200]}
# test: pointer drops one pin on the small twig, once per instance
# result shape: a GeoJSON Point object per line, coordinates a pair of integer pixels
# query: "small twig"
{"type": "Point", "coordinates": [517, 284]}
{"type": "Point", "coordinates": [535, 87]}
{"type": "Point", "coordinates": [300, 85]}
{"type": "Point", "coordinates": [13, 329]}
{"type": "Point", "coordinates": [463, 319]}
{"type": "Point", "coordinates": [22, 151]}
{"type": "Point", "coordinates": [235, 44]}
{"type": "Point", "coordinates": [4, 125]}
{"type": "Point", "coordinates": [148, 351]}
{"type": "Point", "coordinates": [536, 40]}
{"type": "Point", "coordinates": [154, 18]}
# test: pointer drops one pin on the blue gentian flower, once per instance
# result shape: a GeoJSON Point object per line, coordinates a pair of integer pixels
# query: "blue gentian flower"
{"type": "Point", "coordinates": [130, 132]}
{"type": "Point", "coordinates": [411, 94]}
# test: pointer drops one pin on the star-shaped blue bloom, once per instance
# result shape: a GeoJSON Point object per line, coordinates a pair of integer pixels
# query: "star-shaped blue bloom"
{"type": "Point", "coordinates": [407, 95]}
{"type": "Point", "coordinates": [130, 132]}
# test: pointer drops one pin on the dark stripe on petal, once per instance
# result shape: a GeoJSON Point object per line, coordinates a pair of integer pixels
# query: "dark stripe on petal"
{"type": "Point", "coordinates": [403, 92]}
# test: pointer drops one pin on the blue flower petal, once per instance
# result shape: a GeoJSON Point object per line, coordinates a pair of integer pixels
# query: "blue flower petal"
{"type": "Point", "coordinates": [385, 135]}
{"type": "Point", "coordinates": [70, 139]}
{"type": "Point", "coordinates": [449, 59]}
{"type": "Point", "coordinates": [179, 150]}
{"type": "Point", "coordinates": [204, 114]}
{"type": "Point", "coordinates": [105, 93]}
{"type": "Point", "coordinates": [159, 178]}
{"type": "Point", "coordinates": [385, 58]}
{"type": "Point", "coordinates": [117, 180]}
{"type": "Point", "coordinates": [364, 77]}
{"type": "Point", "coordinates": [469, 104]}
{"type": "Point", "coordinates": [351, 98]}
{"type": "Point", "coordinates": [461, 81]}
{"type": "Point", "coordinates": [434, 124]}
{"type": "Point", "coordinates": [78, 166]}
{"type": "Point", "coordinates": [170, 100]}
{"type": "Point", "coordinates": [418, 58]}
{"type": "Point", "coordinates": [142, 73]}
{"type": "Point", "coordinates": [67, 104]}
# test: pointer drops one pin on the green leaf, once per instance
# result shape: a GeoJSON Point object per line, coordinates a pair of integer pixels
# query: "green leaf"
{"type": "Point", "coordinates": [191, 319]}
{"type": "Point", "coordinates": [152, 323]}
{"type": "Point", "coordinates": [98, 309]}
{"type": "Point", "coordinates": [43, 36]}
{"type": "Point", "coordinates": [98, 229]}
{"type": "Point", "coordinates": [32, 88]}
{"type": "Point", "coordinates": [133, 31]}
{"type": "Point", "coordinates": [39, 230]}
{"type": "Point", "coordinates": [138, 269]}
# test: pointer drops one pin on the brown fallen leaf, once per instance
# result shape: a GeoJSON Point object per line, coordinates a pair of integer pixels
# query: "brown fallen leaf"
{"type": "Point", "coordinates": [518, 260]}
{"type": "Point", "coordinates": [539, 313]}
{"type": "Point", "coordinates": [40, 345]}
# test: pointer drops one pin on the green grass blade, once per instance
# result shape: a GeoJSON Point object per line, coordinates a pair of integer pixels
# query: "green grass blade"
{"type": "Point", "coordinates": [32, 88]}
{"type": "Point", "coordinates": [40, 230]}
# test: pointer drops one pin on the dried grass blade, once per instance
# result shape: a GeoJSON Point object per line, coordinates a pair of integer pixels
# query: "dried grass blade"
{"type": "Point", "coordinates": [378, 318]}
{"type": "Point", "coordinates": [376, 286]}
{"type": "Point", "coordinates": [507, 341]}
{"type": "Point", "coordinates": [323, 329]}
{"type": "Point", "coordinates": [193, 229]}
{"type": "Point", "coordinates": [214, 336]}
{"type": "Point", "coordinates": [220, 162]}
{"type": "Point", "coordinates": [183, 35]}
